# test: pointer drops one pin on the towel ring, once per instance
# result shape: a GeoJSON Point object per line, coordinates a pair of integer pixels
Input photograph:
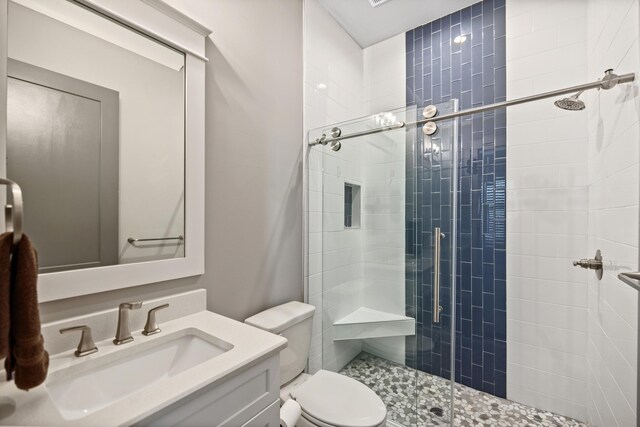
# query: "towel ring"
{"type": "Point", "coordinates": [13, 210]}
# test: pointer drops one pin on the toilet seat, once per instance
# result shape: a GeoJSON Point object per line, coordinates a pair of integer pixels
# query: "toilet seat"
{"type": "Point", "coordinates": [328, 399]}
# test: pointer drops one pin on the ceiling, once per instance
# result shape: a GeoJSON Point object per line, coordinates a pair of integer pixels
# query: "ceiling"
{"type": "Point", "coordinates": [369, 25]}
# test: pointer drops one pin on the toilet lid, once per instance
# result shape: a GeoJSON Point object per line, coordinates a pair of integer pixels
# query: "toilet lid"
{"type": "Point", "coordinates": [340, 401]}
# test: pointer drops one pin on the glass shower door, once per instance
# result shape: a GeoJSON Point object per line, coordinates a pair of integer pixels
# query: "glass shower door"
{"type": "Point", "coordinates": [368, 300]}
{"type": "Point", "coordinates": [380, 198]}
{"type": "Point", "coordinates": [436, 169]}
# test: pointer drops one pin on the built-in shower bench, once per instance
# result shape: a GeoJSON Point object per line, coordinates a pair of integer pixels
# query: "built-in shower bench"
{"type": "Point", "coordinates": [366, 322]}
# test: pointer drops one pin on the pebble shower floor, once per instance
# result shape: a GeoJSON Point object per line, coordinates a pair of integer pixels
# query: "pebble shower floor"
{"type": "Point", "coordinates": [394, 384]}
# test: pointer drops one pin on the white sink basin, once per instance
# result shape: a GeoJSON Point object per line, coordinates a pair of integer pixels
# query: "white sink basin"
{"type": "Point", "coordinates": [97, 383]}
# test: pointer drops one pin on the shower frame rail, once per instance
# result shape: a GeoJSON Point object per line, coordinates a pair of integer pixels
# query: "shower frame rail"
{"type": "Point", "coordinates": [609, 81]}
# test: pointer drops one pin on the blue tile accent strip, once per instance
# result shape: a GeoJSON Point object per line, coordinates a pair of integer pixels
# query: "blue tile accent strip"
{"type": "Point", "coordinates": [474, 72]}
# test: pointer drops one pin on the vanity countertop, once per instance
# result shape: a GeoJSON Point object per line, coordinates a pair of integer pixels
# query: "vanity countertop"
{"type": "Point", "coordinates": [250, 346]}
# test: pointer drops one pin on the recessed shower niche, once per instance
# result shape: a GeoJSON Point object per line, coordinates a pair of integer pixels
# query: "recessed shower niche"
{"type": "Point", "coordinates": [351, 205]}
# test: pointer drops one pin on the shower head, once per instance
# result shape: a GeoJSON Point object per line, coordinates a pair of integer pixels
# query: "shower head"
{"type": "Point", "coordinates": [571, 103]}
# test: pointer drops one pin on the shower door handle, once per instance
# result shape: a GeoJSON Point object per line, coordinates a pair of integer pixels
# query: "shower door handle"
{"type": "Point", "coordinates": [437, 308]}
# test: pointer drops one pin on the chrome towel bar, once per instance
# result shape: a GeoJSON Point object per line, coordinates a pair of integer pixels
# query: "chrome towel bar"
{"type": "Point", "coordinates": [155, 239]}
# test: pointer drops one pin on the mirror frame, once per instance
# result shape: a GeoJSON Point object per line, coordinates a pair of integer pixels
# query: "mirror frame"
{"type": "Point", "coordinates": [165, 24]}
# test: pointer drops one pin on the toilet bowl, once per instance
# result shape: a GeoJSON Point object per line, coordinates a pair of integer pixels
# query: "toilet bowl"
{"type": "Point", "coordinates": [326, 399]}
{"type": "Point", "coordinates": [330, 399]}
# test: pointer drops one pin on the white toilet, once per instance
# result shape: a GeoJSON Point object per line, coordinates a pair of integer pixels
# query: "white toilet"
{"type": "Point", "coordinates": [327, 399]}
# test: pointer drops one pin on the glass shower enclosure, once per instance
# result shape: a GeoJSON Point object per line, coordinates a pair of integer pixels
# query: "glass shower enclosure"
{"type": "Point", "coordinates": [382, 221]}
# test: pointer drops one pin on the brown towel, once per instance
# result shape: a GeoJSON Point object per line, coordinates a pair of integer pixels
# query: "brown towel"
{"type": "Point", "coordinates": [26, 356]}
{"type": "Point", "coordinates": [6, 241]}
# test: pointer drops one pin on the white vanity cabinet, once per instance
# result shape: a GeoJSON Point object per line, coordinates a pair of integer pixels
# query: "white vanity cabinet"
{"type": "Point", "coordinates": [225, 373]}
{"type": "Point", "coordinates": [248, 398]}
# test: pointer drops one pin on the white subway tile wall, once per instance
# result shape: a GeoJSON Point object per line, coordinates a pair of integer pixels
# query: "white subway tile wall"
{"type": "Point", "coordinates": [350, 268]}
{"type": "Point", "coordinates": [573, 188]}
{"type": "Point", "coordinates": [333, 67]}
{"type": "Point", "coordinates": [547, 209]}
{"type": "Point", "coordinates": [613, 156]}
{"type": "Point", "coordinates": [384, 193]}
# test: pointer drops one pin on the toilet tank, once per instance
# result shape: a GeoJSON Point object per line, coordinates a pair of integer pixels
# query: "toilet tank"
{"type": "Point", "coordinates": [293, 321]}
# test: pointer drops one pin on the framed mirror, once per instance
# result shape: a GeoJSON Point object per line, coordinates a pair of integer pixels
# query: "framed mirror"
{"type": "Point", "coordinates": [104, 132]}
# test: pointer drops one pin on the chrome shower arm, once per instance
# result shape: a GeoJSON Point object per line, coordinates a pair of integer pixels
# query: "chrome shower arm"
{"type": "Point", "coordinates": [600, 84]}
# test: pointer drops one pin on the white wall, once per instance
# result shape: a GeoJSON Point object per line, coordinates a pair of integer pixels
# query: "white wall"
{"type": "Point", "coordinates": [385, 71]}
{"type": "Point", "coordinates": [352, 268]}
{"type": "Point", "coordinates": [333, 93]}
{"type": "Point", "coordinates": [613, 154]}
{"type": "Point", "coordinates": [253, 230]}
{"type": "Point", "coordinates": [383, 207]}
{"type": "Point", "coordinates": [547, 203]}
{"type": "Point", "coordinates": [573, 189]}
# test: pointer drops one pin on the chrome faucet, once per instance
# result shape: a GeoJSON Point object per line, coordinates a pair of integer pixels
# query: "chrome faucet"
{"type": "Point", "coordinates": [123, 332]}
{"type": "Point", "coordinates": [86, 345]}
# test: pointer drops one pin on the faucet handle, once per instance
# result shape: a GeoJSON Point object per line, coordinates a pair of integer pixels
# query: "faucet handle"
{"type": "Point", "coordinates": [123, 331]}
{"type": "Point", "coordinates": [86, 345]}
{"type": "Point", "coordinates": [152, 327]}
{"type": "Point", "coordinates": [130, 305]}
